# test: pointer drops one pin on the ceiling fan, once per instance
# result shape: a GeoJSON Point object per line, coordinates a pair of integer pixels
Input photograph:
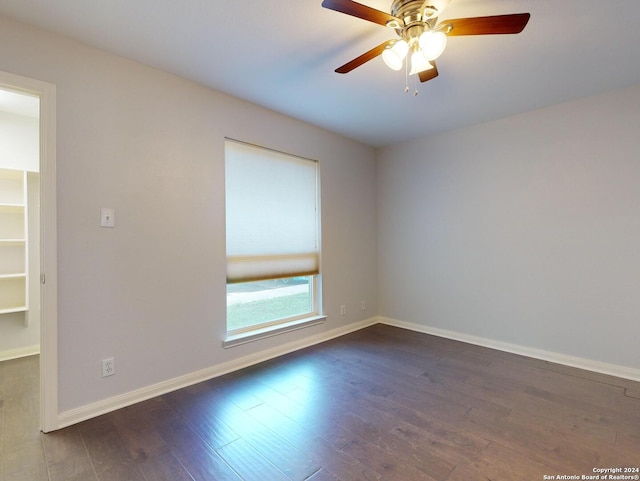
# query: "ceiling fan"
{"type": "Point", "coordinates": [420, 34]}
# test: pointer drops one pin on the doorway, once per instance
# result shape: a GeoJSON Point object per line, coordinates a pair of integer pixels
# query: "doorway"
{"type": "Point", "coordinates": [19, 225]}
{"type": "Point", "coordinates": [28, 262]}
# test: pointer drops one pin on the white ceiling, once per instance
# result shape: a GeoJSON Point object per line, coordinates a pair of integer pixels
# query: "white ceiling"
{"type": "Point", "coordinates": [282, 54]}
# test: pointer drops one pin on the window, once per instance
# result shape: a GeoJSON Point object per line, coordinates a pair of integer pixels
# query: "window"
{"type": "Point", "coordinates": [273, 255]}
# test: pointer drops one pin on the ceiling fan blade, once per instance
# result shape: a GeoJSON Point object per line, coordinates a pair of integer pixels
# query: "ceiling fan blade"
{"type": "Point", "coordinates": [361, 11]}
{"type": "Point", "coordinates": [364, 58]}
{"type": "Point", "coordinates": [430, 74]}
{"type": "Point", "coordinates": [494, 25]}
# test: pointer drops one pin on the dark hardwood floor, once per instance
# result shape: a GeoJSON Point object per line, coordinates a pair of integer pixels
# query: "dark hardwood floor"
{"type": "Point", "coordinates": [379, 404]}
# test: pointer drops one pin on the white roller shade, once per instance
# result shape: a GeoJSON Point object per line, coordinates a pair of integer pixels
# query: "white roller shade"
{"type": "Point", "coordinates": [271, 214]}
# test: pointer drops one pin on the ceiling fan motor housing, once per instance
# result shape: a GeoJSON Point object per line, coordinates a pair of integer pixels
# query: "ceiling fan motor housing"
{"type": "Point", "coordinates": [416, 17]}
{"type": "Point", "coordinates": [417, 11]}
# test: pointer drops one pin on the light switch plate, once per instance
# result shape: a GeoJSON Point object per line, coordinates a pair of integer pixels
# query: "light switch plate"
{"type": "Point", "coordinates": [107, 217]}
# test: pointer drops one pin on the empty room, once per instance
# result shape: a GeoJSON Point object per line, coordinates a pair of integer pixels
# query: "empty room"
{"type": "Point", "coordinates": [319, 240]}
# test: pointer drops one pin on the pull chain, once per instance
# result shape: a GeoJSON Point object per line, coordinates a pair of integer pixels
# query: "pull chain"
{"type": "Point", "coordinates": [406, 80]}
{"type": "Point", "coordinates": [406, 76]}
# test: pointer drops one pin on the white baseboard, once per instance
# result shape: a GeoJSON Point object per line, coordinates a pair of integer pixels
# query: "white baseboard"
{"type": "Point", "coordinates": [73, 416]}
{"type": "Point", "coordinates": [83, 413]}
{"type": "Point", "coordinates": [559, 358]}
{"type": "Point", "coordinates": [20, 352]}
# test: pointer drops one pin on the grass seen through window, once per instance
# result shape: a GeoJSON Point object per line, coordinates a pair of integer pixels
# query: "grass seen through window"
{"type": "Point", "coordinates": [254, 303]}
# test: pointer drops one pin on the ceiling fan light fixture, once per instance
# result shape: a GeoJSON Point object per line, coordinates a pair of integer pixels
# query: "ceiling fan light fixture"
{"type": "Point", "coordinates": [419, 63]}
{"type": "Point", "coordinates": [394, 56]}
{"type": "Point", "coordinates": [416, 24]}
{"type": "Point", "coordinates": [432, 44]}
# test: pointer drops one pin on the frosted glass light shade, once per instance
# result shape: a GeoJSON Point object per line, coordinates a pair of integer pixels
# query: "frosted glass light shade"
{"type": "Point", "coordinates": [432, 44]}
{"type": "Point", "coordinates": [394, 56]}
{"type": "Point", "coordinates": [419, 63]}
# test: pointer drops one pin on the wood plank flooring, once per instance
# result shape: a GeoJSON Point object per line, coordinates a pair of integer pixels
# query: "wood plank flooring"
{"type": "Point", "coordinates": [379, 404]}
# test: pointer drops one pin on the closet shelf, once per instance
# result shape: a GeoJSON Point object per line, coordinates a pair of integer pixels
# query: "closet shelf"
{"type": "Point", "coordinates": [12, 242]}
{"type": "Point", "coordinates": [14, 285]}
{"type": "Point", "coordinates": [11, 208]}
{"type": "Point", "coordinates": [17, 275]}
{"type": "Point", "coordinates": [11, 310]}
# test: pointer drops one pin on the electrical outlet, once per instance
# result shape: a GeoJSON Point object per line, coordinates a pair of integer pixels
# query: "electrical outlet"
{"type": "Point", "coordinates": [343, 310]}
{"type": "Point", "coordinates": [363, 305]}
{"type": "Point", "coordinates": [108, 367]}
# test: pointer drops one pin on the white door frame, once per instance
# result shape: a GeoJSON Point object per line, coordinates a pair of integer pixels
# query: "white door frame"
{"type": "Point", "coordinates": [48, 244]}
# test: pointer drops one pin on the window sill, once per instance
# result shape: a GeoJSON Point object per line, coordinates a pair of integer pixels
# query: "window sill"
{"type": "Point", "coordinates": [245, 337]}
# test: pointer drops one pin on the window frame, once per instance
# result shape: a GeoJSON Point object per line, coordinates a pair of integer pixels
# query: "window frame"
{"type": "Point", "coordinates": [313, 312]}
{"type": "Point", "coordinates": [269, 328]}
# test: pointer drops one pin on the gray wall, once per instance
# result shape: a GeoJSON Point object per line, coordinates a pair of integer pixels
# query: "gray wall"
{"type": "Point", "coordinates": [524, 230]}
{"type": "Point", "coordinates": [151, 291]}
